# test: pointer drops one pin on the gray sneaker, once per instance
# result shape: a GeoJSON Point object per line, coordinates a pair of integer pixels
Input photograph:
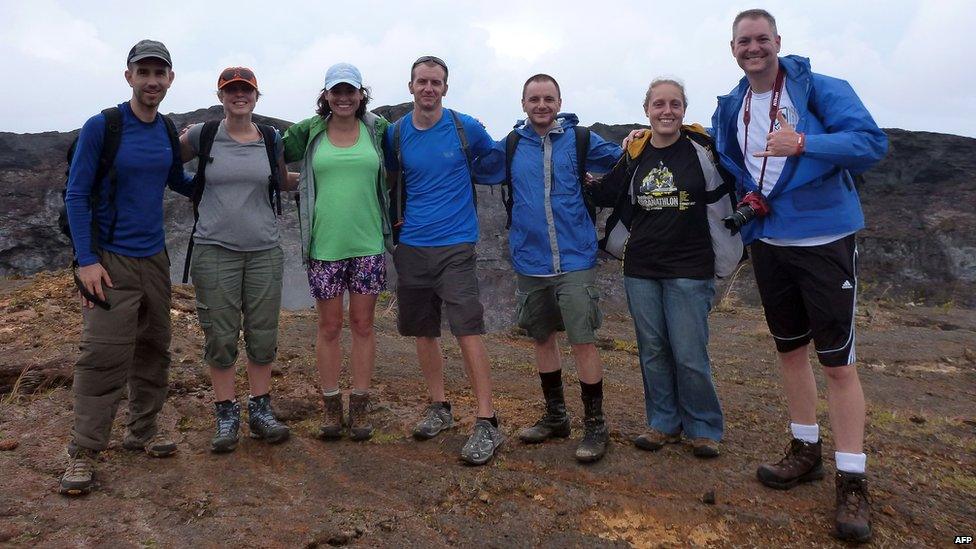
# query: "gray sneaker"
{"type": "Point", "coordinates": [437, 417]}
{"type": "Point", "coordinates": [79, 477]}
{"type": "Point", "coordinates": [482, 444]}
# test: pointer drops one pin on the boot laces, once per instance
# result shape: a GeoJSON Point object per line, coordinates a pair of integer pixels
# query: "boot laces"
{"type": "Point", "coordinates": [854, 494]}
{"type": "Point", "coordinates": [80, 465]}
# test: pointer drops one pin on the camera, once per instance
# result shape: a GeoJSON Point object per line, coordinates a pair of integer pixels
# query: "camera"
{"type": "Point", "coordinates": [752, 205]}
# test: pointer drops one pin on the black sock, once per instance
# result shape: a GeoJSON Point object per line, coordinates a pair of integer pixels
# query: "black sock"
{"type": "Point", "coordinates": [445, 403]}
{"type": "Point", "coordinates": [259, 397]}
{"type": "Point", "coordinates": [224, 403]}
{"type": "Point", "coordinates": [592, 389]}
{"type": "Point", "coordinates": [551, 379]}
{"type": "Point", "coordinates": [493, 420]}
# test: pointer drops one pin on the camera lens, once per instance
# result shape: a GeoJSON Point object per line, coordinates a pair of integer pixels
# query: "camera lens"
{"type": "Point", "coordinates": [742, 215]}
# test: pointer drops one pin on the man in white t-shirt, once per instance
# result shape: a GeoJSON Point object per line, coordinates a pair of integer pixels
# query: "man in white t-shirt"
{"type": "Point", "coordinates": [793, 140]}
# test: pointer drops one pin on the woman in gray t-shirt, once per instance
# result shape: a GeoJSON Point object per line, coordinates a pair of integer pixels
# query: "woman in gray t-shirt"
{"type": "Point", "coordinates": [237, 263]}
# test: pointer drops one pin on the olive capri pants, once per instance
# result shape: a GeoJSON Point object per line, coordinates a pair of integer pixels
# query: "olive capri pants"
{"type": "Point", "coordinates": [231, 285]}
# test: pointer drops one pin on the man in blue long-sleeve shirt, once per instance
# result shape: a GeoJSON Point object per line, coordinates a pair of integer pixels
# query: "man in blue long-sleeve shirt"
{"type": "Point", "coordinates": [117, 232]}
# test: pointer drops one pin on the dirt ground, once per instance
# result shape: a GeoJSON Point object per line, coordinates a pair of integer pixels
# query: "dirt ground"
{"type": "Point", "coordinates": [918, 368]}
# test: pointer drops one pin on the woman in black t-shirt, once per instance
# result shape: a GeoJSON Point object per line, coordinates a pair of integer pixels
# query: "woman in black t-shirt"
{"type": "Point", "coordinates": [669, 269]}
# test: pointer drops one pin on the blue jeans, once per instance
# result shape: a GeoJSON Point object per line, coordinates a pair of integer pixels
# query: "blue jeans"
{"type": "Point", "coordinates": [671, 320]}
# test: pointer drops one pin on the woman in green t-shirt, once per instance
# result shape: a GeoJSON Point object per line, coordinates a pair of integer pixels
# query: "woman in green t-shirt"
{"type": "Point", "coordinates": [343, 216]}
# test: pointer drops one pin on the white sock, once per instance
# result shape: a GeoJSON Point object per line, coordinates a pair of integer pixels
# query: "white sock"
{"type": "Point", "coordinates": [331, 393]}
{"type": "Point", "coordinates": [851, 463]}
{"type": "Point", "coordinates": [359, 392]}
{"type": "Point", "coordinates": [806, 433]}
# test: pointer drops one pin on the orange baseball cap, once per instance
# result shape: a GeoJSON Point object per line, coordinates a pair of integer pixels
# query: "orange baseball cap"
{"type": "Point", "coordinates": [237, 74]}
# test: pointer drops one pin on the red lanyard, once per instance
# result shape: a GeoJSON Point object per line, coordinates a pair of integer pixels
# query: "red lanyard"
{"type": "Point", "coordinates": [773, 110]}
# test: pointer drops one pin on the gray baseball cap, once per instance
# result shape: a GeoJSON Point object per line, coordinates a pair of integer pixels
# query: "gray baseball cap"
{"type": "Point", "coordinates": [145, 49]}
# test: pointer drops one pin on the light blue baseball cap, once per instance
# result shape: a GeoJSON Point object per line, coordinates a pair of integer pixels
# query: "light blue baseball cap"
{"type": "Point", "coordinates": [343, 73]}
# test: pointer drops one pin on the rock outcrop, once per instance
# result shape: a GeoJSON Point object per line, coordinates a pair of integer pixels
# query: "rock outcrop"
{"type": "Point", "coordinates": [920, 244]}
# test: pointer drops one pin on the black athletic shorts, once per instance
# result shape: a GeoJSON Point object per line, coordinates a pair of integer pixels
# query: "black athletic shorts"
{"type": "Point", "coordinates": [809, 292]}
{"type": "Point", "coordinates": [429, 277]}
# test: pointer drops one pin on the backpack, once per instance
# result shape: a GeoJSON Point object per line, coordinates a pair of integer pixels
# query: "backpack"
{"type": "Point", "coordinates": [111, 141]}
{"type": "Point", "coordinates": [720, 201]}
{"type": "Point", "coordinates": [582, 149]}
{"type": "Point", "coordinates": [207, 135]}
{"type": "Point", "coordinates": [399, 202]}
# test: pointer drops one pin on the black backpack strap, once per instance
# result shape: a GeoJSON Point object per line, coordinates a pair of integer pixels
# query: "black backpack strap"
{"type": "Point", "coordinates": [463, 138]}
{"type": "Point", "coordinates": [106, 165]}
{"type": "Point", "coordinates": [207, 135]}
{"type": "Point", "coordinates": [176, 169]}
{"type": "Point", "coordinates": [400, 192]}
{"type": "Point", "coordinates": [274, 187]}
{"type": "Point", "coordinates": [582, 151]}
{"type": "Point", "coordinates": [508, 198]}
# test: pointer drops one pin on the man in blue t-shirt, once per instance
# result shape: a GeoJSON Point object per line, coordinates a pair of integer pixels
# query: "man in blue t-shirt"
{"type": "Point", "coordinates": [428, 153]}
{"type": "Point", "coordinates": [117, 232]}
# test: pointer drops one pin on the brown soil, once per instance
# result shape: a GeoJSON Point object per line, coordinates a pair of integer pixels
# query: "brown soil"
{"type": "Point", "coordinates": [918, 370]}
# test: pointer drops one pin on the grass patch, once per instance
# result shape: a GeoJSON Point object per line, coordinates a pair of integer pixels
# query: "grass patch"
{"type": "Point", "coordinates": [886, 419]}
{"type": "Point", "coordinates": [385, 437]}
{"type": "Point", "coordinates": [625, 345]}
{"type": "Point", "coordinates": [961, 481]}
{"type": "Point", "coordinates": [14, 395]}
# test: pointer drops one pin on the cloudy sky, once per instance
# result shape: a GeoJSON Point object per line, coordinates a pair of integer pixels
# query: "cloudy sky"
{"type": "Point", "coordinates": [910, 61]}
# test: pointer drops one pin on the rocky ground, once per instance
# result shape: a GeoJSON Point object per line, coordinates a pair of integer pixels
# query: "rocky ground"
{"type": "Point", "coordinates": [919, 372]}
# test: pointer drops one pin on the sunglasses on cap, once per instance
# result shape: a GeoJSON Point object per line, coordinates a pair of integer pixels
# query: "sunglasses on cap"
{"type": "Point", "coordinates": [237, 74]}
{"type": "Point", "coordinates": [430, 59]}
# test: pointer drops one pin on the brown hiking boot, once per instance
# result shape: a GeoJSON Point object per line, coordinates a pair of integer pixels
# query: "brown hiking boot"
{"type": "Point", "coordinates": [852, 519]}
{"type": "Point", "coordinates": [359, 409]}
{"type": "Point", "coordinates": [159, 445]}
{"type": "Point", "coordinates": [704, 448]}
{"type": "Point", "coordinates": [332, 424]}
{"type": "Point", "coordinates": [79, 477]}
{"type": "Point", "coordinates": [802, 463]}
{"type": "Point", "coordinates": [653, 440]}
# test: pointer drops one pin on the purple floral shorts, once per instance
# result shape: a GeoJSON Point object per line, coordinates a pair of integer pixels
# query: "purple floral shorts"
{"type": "Point", "coordinates": [360, 275]}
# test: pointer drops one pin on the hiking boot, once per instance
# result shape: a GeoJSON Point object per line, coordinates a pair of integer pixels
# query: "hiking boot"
{"type": "Point", "coordinates": [359, 409]}
{"type": "Point", "coordinates": [332, 425]}
{"type": "Point", "coordinates": [228, 424]}
{"type": "Point", "coordinates": [159, 445]}
{"type": "Point", "coordinates": [704, 448]}
{"type": "Point", "coordinates": [481, 445]}
{"type": "Point", "coordinates": [79, 477]}
{"type": "Point", "coordinates": [596, 436]}
{"type": "Point", "coordinates": [852, 520]}
{"type": "Point", "coordinates": [802, 463]}
{"type": "Point", "coordinates": [262, 421]}
{"type": "Point", "coordinates": [554, 422]}
{"type": "Point", "coordinates": [437, 418]}
{"type": "Point", "coordinates": [653, 440]}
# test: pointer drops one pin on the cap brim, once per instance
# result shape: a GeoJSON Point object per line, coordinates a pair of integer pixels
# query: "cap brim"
{"type": "Point", "coordinates": [137, 58]}
{"type": "Point", "coordinates": [351, 82]}
{"type": "Point", "coordinates": [236, 79]}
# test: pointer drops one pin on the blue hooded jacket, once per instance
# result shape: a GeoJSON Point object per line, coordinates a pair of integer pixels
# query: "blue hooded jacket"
{"type": "Point", "coordinates": [551, 232]}
{"type": "Point", "coordinates": [815, 193]}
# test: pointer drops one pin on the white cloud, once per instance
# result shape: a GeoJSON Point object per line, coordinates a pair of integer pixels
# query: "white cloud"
{"type": "Point", "coordinates": [68, 57]}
